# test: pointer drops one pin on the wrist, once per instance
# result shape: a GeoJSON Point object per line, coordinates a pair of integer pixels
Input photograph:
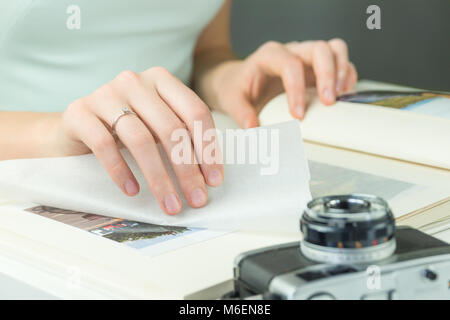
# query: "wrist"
{"type": "Point", "coordinates": [48, 135]}
{"type": "Point", "coordinates": [210, 71]}
{"type": "Point", "coordinates": [215, 80]}
{"type": "Point", "coordinates": [225, 73]}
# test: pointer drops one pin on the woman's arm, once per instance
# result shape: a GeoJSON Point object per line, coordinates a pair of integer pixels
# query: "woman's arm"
{"type": "Point", "coordinates": [28, 135]}
{"type": "Point", "coordinates": [212, 52]}
{"type": "Point", "coordinates": [242, 87]}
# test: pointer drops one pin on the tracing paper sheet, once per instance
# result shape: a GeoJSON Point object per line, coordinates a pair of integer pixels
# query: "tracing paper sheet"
{"type": "Point", "coordinates": [247, 199]}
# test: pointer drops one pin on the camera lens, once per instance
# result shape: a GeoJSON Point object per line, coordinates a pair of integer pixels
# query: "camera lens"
{"type": "Point", "coordinates": [353, 228]}
{"type": "Point", "coordinates": [348, 205]}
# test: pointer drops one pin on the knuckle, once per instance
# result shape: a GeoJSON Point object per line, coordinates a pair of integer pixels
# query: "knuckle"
{"type": "Point", "coordinates": [321, 45]}
{"type": "Point", "coordinates": [105, 91]}
{"type": "Point", "coordinates": [77, 105]}
{"type": "Point", "coordinates": [76, 110]}
{"type": "Point", "coordinates": [200, 112]}
{"type": "Point", "coordinates": [117, 168]}
{"type": "Point", "coordinates": [293, 43]}
{"type": "Point", "coordinates": [126, 77]}
{"type": "Point", "coordinates": [338, 42]}
{"type": "Point", "coordinates": [271, 45]}
{"type": "Point", "coordinates": [171, 127]}
{"type": "Point", "coordinates": [74, 114]}
{"type": "Point", "coordinates": [327, 75]}
{"type": "Point", "coordinates": [291, 69]}
{"type": "Point", "coordinates": [159, 71]}
{"type": "Point", "coordinates": [291, 86]}
{"type": "Point", "coordinates": [293, 62]}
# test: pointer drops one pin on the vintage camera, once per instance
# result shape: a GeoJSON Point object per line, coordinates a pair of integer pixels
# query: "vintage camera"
{"type": "Point", "coordinates": [351, 249]}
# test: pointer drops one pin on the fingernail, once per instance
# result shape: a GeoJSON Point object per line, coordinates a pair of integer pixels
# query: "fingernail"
{"type": "Point", "coordinates": [299, 111]}
{"type": "Point", "coordinates": [131, 187]}
{"type": "Point", "coordinates": [215, 177]}
{"type": "Point", "coordinates": [328, 94]}
{"type": "Point", "coordinates": [198, 197]}
{"type": "Point", "coordinates": [172, 204]}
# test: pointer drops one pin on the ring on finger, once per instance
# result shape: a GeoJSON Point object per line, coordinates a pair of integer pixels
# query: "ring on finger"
{"type": "Point", "coordinates": [125, 111]}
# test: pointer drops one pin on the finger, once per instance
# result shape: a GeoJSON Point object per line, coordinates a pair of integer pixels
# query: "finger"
{"type": "Point", "coordinates": [198, 120]}
{"type": "Point", "coordinates": [135, 135]}
{"type": "Point", "coordinates": [303, 49]}
{"type": "Point", "coordinates": [139, 141]}
{"type": "Point", "coordinates": [243, 112]}
{"type": "Point", "coordinates": [276, 60]}
{"type": "Point", "coordinates": [324, 69]}
{"type": "Point", "coordinates": [352, 77]}
{"type": "Point", "coordinates": [96, 136]}
{"type": "Point", "coordinates": [174, 137]}
{"type": "Point", "coordinates": [340, 50]}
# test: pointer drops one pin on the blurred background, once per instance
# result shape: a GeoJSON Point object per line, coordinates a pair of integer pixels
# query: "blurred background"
{"type": "Point", "coordinates": [412, 48]}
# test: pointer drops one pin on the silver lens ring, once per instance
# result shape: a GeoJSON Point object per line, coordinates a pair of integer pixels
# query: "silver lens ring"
{"type": "Point", "coordinates": [361, 206]}
{"type": "Point", "coordinates": [338, 256]}
{"type": "Point", "coordinates": [347, 228]}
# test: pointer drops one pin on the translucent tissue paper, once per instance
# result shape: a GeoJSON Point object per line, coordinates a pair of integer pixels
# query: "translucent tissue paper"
{"type": "Point", "coordinates": [266, 194]}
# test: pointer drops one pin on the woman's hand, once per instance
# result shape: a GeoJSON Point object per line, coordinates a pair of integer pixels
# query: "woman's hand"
{"type": "Point", "coordinates": [244, 87]}
{"type": "Point", "coordinates": [162, 104]}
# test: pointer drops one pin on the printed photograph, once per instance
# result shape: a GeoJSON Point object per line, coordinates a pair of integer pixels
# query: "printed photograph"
{"type": "Point", "coordinates": [132, 233]}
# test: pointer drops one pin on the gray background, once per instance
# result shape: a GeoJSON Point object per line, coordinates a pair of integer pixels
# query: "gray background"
{"type": "Point", "coordinates": [412, 48]}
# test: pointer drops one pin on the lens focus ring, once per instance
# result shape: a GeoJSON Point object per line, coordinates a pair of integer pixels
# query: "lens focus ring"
{"type": "Point", "coordinates": [347, 222]}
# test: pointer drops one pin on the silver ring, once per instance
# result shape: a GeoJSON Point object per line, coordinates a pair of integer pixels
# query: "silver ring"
{"type": "Point", "coordinates": [125, 111]}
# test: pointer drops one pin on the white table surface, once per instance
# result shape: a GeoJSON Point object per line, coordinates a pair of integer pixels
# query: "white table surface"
{"type": "Point", "coordinates": [203, 270]}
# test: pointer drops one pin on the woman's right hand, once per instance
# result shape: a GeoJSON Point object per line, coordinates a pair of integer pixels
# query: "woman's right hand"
{"type": "Point", "coordinates": [163, 104]}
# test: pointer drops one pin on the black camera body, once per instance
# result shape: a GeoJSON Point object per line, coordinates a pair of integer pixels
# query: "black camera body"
{"type": "Point", "coordinates": [416, 267]}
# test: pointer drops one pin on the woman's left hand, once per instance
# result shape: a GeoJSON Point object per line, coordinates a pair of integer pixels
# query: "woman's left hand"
{"type": "Point", "coordinates": [246, 86]}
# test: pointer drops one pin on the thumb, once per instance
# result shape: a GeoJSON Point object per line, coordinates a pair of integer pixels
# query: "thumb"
{"type": "Point", "coordinates": [244, 113]}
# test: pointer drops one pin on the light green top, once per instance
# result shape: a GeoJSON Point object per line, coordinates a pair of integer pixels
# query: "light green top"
{"type": "Point", "coordinates": [55, 51]}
